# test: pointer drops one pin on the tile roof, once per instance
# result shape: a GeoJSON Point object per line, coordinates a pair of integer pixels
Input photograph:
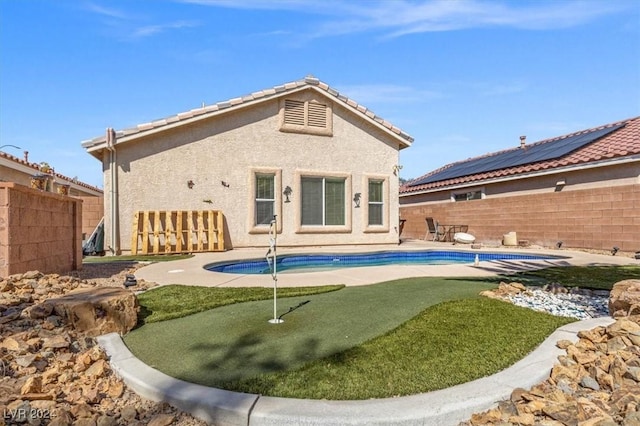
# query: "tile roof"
{"type": "Point", "coordinates": [621, 143]}
{"type": "Point", "coordinates": [36, 169]}
{"type": "Point", "coordinates": [209, 110]}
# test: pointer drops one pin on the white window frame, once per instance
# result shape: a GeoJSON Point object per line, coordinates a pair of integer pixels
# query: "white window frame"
{"type": "Point", "coordinates": [253, 227]}
{"type": "Point", "coordinates": [324, 229]}
{"type": "Point", "coordinates": [384, 227]}
{"type": "Point", "coordinates": [468, 191]}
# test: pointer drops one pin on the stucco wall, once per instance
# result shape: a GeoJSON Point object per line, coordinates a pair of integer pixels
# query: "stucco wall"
{"type": "Point", "coordinates": [38, 231]}
{"type": "Point", "coordinates": [153, 173]}
{"type": "Point", "coordinates": [8, 174]}
{"type": "Point", "coordinates": [598, 217]}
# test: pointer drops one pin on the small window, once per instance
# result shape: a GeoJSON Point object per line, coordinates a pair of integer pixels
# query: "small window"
{"type": "Point", "coordinates": [265, 198]}
{"type": "Point", "coordinates": [323, 201]}
{"type": "Point", "coordinates": [376, 202]}
{"type": "Point", "coordinates": [306, 116]}
{"type": "Point", "coordinates": [467, 196]}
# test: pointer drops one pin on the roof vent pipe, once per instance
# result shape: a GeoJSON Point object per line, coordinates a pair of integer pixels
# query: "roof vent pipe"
{"type": "Point", "coordinates": [26, 156]}
{"type": "Point", "coordinates": [523, 142]}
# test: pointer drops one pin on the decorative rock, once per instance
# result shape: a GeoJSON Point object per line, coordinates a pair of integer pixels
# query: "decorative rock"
{"type": "Point", "coordinates": [81, 410]}
{"type": "Point", "coordinates": [25, 361]}
{"type": "Point", "coordinates": [589, 382]}
{"type": "Point", "coordinates": [32, 385]}
{"type": "Point", "coordinates": [39, 353]}
{"type": "Point", "coordinates": [623, 327]}
{"type": "Point", "coordinates": [12, 344]}
{"type": "Point", "coordinates": [162, 420]}
{"type": "Point", "coordinates": [97, 369]}
{"type": "Point", "coordinates": [488, 417]}
{"type": "Point", "coordinates": [128, 414]}
{"type": "Point", "coordinates": [106, 421]}
{"type": "Point", "coordinates": [633, 419]}
{"type": "Point", "coordinates": [56, 342]}
{"type": "Point", "coordinates": [115, 389]}
{"type": "Point", "coordinates": [98, 311]}
{"type": "Point", "coordinates": [524, 419]}
{"type": "Point", "coordinates": [38, 311]}
{"type": "Point", "coordinates": [595, 384]}
{"type": "Point", "coordinates": [624, 299]}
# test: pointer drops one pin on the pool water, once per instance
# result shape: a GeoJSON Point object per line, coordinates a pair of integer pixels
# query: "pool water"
{"type": "Point", "coordinates": [316, 262]}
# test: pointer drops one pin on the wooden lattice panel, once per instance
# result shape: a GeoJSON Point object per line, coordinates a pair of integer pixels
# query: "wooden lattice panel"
{"type": "Point", "coordinates": [177, 231]}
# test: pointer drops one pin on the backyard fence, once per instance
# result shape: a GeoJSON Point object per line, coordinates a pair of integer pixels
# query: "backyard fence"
{"type": "Point", "coordinates": [181, 231]}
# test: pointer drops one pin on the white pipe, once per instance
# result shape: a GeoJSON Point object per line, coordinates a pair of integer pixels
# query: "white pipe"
{"type": "Point", "coordinates": [113, 171]}
{"type": "Point", "coordinates": [273, 235]}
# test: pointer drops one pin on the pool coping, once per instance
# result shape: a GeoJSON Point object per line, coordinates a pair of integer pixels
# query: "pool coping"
{"type": "Point", "coordinates": [191, 271]}
{"type": "Point", "coordinates": [300, 262]}
{"type": "Point", "coordinates": [448, 406]}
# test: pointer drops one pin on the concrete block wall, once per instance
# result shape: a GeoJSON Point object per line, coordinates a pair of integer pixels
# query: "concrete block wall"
{"type": "Point", "coordinates": [92, 212]}
{"type": "Point", "coordinates": [38, 231]}
{"type": "Point", "coordinates": [596, 218]}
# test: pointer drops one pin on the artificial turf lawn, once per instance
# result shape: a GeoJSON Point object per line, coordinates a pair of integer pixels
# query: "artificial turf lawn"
{"type": "Point", "coordinates": [595, 277]}
{"type": "Point", "coordinates": [176, 301]}
{"type": "Point", "coordinates": [450, 343]}
{"type": "Point", "coordinates": [235, 347]}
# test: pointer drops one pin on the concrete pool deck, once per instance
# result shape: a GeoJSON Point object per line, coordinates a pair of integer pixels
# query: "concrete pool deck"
{"type": "Point", "coordinates": [190, 271]}
{"type": "Point", "coordinates": [448, 406]}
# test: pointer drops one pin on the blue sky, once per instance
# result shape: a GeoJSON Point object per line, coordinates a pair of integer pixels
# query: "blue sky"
{"type": "Point", "coordinates": [462, 77]}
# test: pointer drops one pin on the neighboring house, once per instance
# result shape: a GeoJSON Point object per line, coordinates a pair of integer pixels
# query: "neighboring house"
{"type": "Point", "coordinates": [325, 165]}
{"type": "Point", "coordinates": [23, 172]}
{"type": "Point", "coordinates": [578, 190]}
{"type": "Point", "coordinates": [20, 170]}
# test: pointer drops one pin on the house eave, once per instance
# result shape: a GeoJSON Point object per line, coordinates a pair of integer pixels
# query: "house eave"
{"type": "Point", "coordinates": [96, 145]}
{"type": "Point", "coordinates": [32, 169]}
{"type": "Point", "coordinates": [556, 170]}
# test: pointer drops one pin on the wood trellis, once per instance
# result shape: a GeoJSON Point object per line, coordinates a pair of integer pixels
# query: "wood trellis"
{"type": "Point", "coordinates": [177, 231]}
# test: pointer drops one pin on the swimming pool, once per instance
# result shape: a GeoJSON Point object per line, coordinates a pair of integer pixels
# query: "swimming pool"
{"type": "Point", "coordinates": [316, 262]}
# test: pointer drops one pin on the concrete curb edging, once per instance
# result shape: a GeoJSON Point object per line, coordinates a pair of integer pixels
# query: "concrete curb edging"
{"type": "Point", "coordinates": [448, 406]}
{"type": "Point", "coordinates": [209, 404]}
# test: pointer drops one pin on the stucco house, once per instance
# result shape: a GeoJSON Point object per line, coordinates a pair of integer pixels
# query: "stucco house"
{"type": "Point", "coordinates": [577, 190]}
{"type": "Point", "coordinates": [29, 174]}
{"type": "Point", "coordinates": [323, 164]}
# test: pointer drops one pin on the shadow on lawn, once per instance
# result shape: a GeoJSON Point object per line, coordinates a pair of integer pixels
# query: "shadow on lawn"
{"type": "Point", "coordinates": [226, 365]}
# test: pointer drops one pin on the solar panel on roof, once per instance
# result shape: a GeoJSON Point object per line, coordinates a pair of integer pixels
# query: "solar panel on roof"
{"type": "Point", "coordinates": [518, 157]}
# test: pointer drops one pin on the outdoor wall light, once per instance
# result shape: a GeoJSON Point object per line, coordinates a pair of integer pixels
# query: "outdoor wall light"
{"type": "Point", "coordinates": [559, 244]}
{"type": "Point", "coordinates": [190, 184]}
{"type": "Point", "coordinates": [560, 185]}
{"type": "Point", "coordinates": [614, 250]}
{"type": "Point", "coordinates": [287, 191]}
{"type": "Point", "coordinates": [356, 199]}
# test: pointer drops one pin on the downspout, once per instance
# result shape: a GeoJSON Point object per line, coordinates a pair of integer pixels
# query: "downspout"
{"type": "Point", "coordinates": [113, 171]}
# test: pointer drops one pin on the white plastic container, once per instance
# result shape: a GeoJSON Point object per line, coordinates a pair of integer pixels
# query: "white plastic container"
{"type": "Point", "coordinates": [510, 239]}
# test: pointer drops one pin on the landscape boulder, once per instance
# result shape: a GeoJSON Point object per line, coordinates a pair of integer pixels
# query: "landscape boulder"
{"type": "Point", "coordinates": [96, 311]}
{"type": "Point", "coordinates": [624, 299]}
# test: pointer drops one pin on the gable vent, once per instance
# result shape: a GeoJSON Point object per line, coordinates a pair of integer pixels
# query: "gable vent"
{"type": "Point", "coordinates": [294, 112]}
{"type": "Point", "coordinates": [306, 116]}
{"type": "Point", "coordinates": [317, 115]}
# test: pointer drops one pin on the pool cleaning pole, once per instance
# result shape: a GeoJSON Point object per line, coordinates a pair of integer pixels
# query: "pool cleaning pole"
{"type": "Point", "coordinates": [273, 232]}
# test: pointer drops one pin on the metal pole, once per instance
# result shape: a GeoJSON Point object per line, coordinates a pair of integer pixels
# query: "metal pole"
{"type": "Point", "coordinates": [273, 233]}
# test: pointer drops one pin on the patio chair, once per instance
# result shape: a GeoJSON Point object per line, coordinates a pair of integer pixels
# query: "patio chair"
{"type": "Point", "coordinates": [434, 229]}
